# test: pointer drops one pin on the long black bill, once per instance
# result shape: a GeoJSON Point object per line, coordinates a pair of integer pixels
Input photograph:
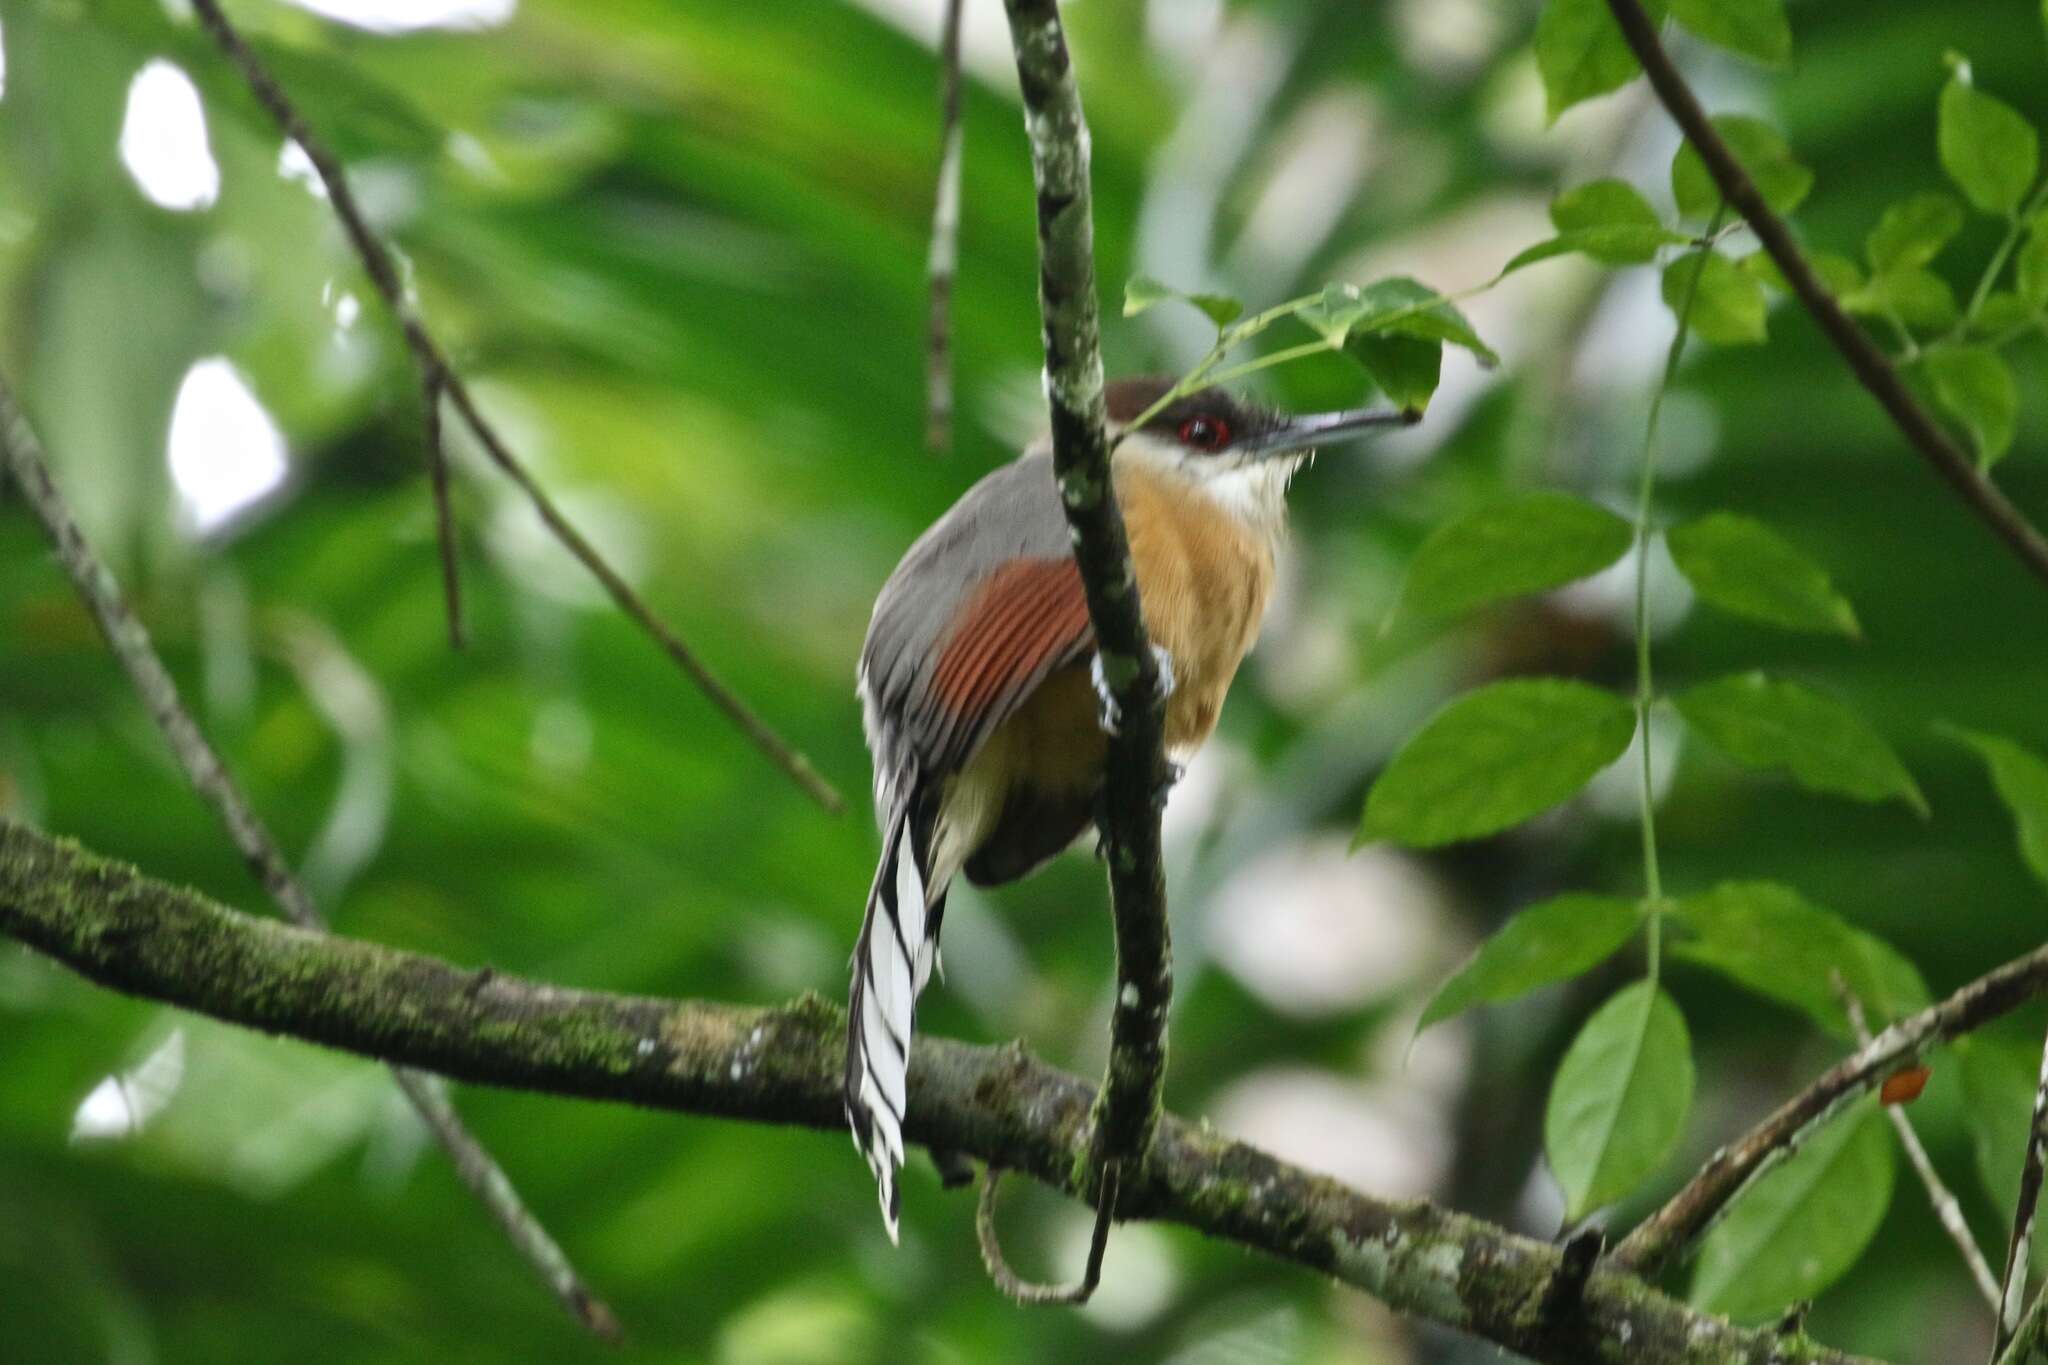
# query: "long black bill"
{"type": "Point", "coordinates": [1297, 434]}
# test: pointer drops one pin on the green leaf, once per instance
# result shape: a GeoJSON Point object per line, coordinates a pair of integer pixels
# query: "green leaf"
{"type": "Point", "coordinates": [1526, 544]}
{"type": "Point", "coordinates": [1987, 148]}
{"type": "Point", "coordinates": [1142, 292]}
{"type": "Point", "coordinates": [1755, 28]}
{"type": "Point", "coordinates": [1743, 566]}
{"type": "Point", "coordinates": [1761, 150]}
{"type": "Point", "coordinates": [2002, 311]}
{"type": "Point", "coordinates": [1769, 939]}
{"type": "Point", "coordinates": [1495, 757]}
{"type": "Point", "coordinates": [1404, 368]}
{"type": "Point", "coordinates": [1554, 941]}
{"type": "Point", "coordinates": [1895, 988]}
{"type": "Point", "coordinates": [1602, 203]}
{"type": "Point", "coordinates": [1825, 745]}
{"type": "Point", "coordinates": [1837, 274]}
{"type": "Point", "coordinates": [1974, 385]}
{"type": "Point", "coordinates": [1619, 244]}
{"type": "Point", "coordinates": [1408, 307]}
{"type": "Point", "coordinates": [1999, 1083]}
{"type": "Point", "coordinates": [2021, 779]}
{"type": "Point", "coordinates": [2033, 268]}
{"type": "Point", "coordinates": [1580, 52]}
{"type": "Point", "coordinates": [1605, 219]}
{"type": "Point", "coordinates": [1728, 308]}
{"type": "Point", "coordinates": [1802, 1225]}
{"type": "Point", "coordinates": [1331, 314]}
{"type": "Point", "coordinates": [1913, 231]}
{"type": "Point", "coordinates": [1916, 297]}
{"type": "Point", "coordinates": [1620, 1098]}
{"type": "Point", "coordinates": [1398, 306]}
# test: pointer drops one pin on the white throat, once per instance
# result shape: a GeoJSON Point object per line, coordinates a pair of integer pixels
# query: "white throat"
{"type": "Point", "coordinates": [1252, 490]}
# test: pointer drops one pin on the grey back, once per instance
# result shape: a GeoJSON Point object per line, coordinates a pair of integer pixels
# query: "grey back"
{"type": "Point", "coordinates": [1013, 512]}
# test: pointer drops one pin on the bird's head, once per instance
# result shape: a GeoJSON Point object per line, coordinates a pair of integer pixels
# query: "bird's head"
{"type": "Point", "coordinates": [1239, 450]}
{"type": "Point", "coordinates": [1214, 431]}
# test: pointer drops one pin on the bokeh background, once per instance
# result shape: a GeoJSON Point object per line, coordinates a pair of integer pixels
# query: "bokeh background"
{"type": "Point", "coordinates": [679, 249]}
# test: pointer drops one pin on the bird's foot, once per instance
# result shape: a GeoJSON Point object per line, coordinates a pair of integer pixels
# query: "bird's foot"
{"type": "Point", "coordinates": [1168, 779]}
{"type": "Point", "coordinates": [1109, 714]}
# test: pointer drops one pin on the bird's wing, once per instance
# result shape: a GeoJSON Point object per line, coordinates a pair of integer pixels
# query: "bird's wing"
{"type": "Point", "coordinates": [984, 606]}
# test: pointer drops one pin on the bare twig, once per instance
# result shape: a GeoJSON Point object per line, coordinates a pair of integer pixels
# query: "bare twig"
{"type": "Point", "coordinates": [486, 1179]}
{"type": "Point", "coordinates": [1866, 361]}
{"type": "Point", "coordinates": [1129, 1105]}
{"type": "Point", "coordinates": [784, 1065]}
{"type": "Point", "coordinates": [1024, 1291]}
{"type": "Point", "coordinates": [1733, 1168]}
{"type": "Point", "coordinates": [22, 457]}
{"type": "Point", "coordinates": [1946, 1208]}
{"type": "Point", "coordinates": [2031, 1337]}
{"type": "Point", "coordinates": [2012, 1299]}
{"type": "Point", "coordinates": [436, 372]}
{"type": "Point", "coordinates": [444, 505]}
{"type": "Point", "coordinates": [944, 259]}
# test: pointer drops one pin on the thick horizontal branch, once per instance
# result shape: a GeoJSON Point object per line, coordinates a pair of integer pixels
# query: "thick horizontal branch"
{"type": "Point", "coordinates": [782, 1065]}
{"type": "Point", "coordinates": [1869, 364]}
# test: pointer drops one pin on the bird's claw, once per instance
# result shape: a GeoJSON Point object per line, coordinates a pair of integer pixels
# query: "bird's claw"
{"type": "Point", "coordinates": [1109, 714]}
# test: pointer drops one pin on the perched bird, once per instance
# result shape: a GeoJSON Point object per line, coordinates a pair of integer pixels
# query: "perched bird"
{"type": "Point", "coordinates": [983, 702]}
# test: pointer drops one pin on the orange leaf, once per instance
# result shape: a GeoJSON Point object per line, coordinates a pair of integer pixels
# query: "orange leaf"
{"type": "Point", "coordinates": [1903, 1087]}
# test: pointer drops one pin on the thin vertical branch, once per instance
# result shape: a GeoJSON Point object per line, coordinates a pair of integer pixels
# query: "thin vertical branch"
{"type": "Point", "coordinates": [2012, 1299]}
{"type": "Point", "coordinates": [1865, 360]}
{"type": "Point", "coordinates": [444, 506]}
{"type": "Point", "coordinates": [2031, 1337]}
{"type": "Point", "coordinates": [944, 258]}
{"type": "Point", "coordinates": [436, 372]}
{"type": "Point", "coordinates": [1945, 1206]}
{"type": "Point", "coordinates": [21, 454]}
{"type": "Point", "coordinates": [1127, 1110]}
{"type": "Point", "coordinates": [1646, 692]}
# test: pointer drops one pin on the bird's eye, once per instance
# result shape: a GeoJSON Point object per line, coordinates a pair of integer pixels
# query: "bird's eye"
{"type": "Point", "coordinates": [1205, 433]}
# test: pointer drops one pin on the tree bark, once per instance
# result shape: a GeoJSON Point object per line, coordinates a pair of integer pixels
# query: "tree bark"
{"type": "Point", "coordinates": [123, 930]}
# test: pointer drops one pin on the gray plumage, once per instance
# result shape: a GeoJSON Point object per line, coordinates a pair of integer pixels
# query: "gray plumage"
{"type": "Point", "coordinates": [918, 744]}
{"type": "Point", "coordinates": [1012, 513]}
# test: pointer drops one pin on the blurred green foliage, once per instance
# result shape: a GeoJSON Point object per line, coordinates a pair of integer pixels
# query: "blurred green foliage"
{"type": "Point", "coordinates": [679, 247]}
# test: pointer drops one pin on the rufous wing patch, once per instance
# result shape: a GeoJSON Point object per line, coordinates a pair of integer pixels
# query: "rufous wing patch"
{"type": "Point", "coordinates": [1022, 618]}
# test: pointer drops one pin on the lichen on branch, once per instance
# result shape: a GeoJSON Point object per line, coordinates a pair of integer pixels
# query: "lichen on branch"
{"type": "Point", "coordinates": [129, 932]}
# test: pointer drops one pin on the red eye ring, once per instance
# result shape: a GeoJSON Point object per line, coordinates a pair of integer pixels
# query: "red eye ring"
{"type": "Point", "coordinates": [1205, 433]}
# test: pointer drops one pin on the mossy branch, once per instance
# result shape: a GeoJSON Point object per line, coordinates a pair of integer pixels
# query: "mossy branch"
{"type": "Point", "coordinates": [782, 1065]}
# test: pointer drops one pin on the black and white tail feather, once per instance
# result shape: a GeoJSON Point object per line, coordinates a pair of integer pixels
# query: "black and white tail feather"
{"type": "Point", "coordinates": [892, 962]}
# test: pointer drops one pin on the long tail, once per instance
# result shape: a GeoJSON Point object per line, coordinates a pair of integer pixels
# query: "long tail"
{"type": "Point", "coordinates": [892, 961]}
